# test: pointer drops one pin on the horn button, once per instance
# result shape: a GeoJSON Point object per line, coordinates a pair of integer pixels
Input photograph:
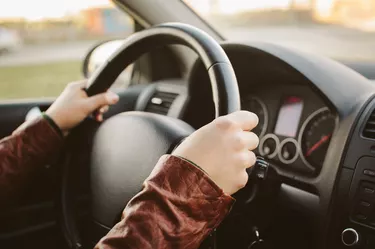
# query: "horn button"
{"type": "Point", "coordinates": [126, 147]}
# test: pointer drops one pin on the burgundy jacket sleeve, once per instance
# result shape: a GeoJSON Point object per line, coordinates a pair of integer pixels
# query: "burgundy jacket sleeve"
{"type": "Point", "coordinates": [28, 147]}
{"type": "Point", "coordinates": [178, 207]}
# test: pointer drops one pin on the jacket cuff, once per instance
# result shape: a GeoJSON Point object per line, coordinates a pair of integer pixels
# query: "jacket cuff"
{"type": "Point", "coordinates": [192, 163]}
{"type": "Point", "coordinates": [214, 204]}
{"type": "Point", "coordinates": [41, 139]}
{"type": "Point", "coordinates": [53, 124]}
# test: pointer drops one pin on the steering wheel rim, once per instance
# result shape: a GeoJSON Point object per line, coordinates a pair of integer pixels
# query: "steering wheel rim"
{"type": "Point", "coordinates": [222, 77]}
{"type": "Point", "coordinates": [221, 73]}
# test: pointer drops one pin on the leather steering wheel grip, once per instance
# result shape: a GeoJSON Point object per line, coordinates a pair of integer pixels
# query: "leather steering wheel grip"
{"type": "Point", "coordinates": [222, 77]}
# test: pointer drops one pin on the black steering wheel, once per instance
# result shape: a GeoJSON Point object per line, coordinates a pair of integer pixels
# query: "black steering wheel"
{"type": "Point", "coordinates": [125, 148]}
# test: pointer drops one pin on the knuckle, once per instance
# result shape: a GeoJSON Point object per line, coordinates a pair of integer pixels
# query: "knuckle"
{"type": "Point", "coordinates": [244, 159]}
{"type": "Point", "coordinates": [240, 142]}
{"type": "Point", "coordinates": [224, 123]}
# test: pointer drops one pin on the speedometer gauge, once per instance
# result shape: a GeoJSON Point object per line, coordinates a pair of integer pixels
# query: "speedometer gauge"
{"type": "Point", "coordinates": [257, 106]}
{"type": "Point", "coordinates": [315, 136]}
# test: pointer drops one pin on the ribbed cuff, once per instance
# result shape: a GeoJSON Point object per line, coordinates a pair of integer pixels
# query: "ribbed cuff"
{"type": "Point", "coordinates": [53, 124]}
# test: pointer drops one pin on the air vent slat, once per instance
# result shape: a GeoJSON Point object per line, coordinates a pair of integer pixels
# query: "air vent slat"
{"type": "Point", "coordinates": [369, 130]}
{"type": "Point", "coordinates": [157, 109]}
{"type": "Point", "coordinates": [371, 122]}
{"type": "Point", "coordinates": [161, 102]}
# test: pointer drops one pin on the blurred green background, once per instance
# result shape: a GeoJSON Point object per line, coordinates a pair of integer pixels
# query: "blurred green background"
{"type": "Point", "coordinates": [35, 81]}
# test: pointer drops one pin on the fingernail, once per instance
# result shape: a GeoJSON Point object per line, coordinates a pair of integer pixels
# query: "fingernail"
{"type": "Point", "coordinates": [99, 118]}
{"type": "Point", "coordinates": [112, 97]}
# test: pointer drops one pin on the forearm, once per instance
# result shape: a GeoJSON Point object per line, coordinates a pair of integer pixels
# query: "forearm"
{"type": "Point", "coordinates": [32, 146]}
{"type": "Point", "coordinates": [178, 207]}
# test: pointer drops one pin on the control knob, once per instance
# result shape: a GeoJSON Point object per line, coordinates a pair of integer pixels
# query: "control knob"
{"type": "Point", "coordinates": [350, 237]}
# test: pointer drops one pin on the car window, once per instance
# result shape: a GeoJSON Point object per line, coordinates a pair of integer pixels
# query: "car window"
{"type": "Point", "coordinates": [42, 49]}
{"type": "Point", "coordinates": [340, 29]}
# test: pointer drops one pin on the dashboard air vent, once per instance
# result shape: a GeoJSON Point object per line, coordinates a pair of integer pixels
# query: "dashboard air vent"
{"type": "Point", "coordinates": [369, 130]}
{"type": "Point", "coordinates": [160, 102]}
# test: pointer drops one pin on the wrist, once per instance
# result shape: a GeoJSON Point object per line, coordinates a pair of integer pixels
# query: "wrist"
{"type": "Point", "coordinates": [192, 163]}
{"type": "Point", "coordinates": [52, 121]}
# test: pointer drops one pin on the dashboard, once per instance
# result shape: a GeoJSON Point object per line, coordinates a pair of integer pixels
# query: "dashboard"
{"type": "Point", "coordinates": [314, 131]}
{"type": "Point", "coordinates": [296, 122]}
{"type": "Point", "coordinates": [311, 133]}
{"type": "Point", "coordinates": [295, 126]}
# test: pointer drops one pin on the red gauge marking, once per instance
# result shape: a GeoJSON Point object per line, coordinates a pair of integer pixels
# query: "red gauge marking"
{"type": "Point", "coordinates": [318, 144]}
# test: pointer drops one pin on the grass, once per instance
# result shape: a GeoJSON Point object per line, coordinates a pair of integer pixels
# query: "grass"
{"type": "Point", "coordinates": [36, 81]}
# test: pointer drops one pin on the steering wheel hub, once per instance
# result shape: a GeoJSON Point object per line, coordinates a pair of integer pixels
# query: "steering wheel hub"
{"type": "Point", "coordinates": [126, 147]}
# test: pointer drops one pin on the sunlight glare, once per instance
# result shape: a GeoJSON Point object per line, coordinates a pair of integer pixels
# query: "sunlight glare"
{"type": "Point", "coordinates": [42, 9]}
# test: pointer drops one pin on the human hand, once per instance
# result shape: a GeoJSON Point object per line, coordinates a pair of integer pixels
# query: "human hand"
{"type": "Point", "coordinates": [73, 106]}
{"type": "Point", "coordinates": [222, 148]}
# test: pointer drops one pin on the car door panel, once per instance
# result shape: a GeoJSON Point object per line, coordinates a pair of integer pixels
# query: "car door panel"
{"type": "Point", "coordinates": [13, 113]}
{"type": "Point", "coordinates": [29, 218]}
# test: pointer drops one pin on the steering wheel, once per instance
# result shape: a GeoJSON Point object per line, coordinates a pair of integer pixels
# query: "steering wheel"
{"type": "Point", "coordinates": [125, 148]}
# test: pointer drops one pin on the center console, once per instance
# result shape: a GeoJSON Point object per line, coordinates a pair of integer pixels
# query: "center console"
{"type": "Point", "coordinates": [353, 214]}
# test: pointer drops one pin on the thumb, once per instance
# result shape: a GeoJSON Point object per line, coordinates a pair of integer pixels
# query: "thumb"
{"type": "Point", "coordinates": [102, 99]}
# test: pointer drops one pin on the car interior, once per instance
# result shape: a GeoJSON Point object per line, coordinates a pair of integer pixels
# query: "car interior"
{"type": "Point", "coordinates": [316, 129]}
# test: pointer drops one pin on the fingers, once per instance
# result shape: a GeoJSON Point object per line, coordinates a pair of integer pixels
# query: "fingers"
{"type": "Point", "coordinates": [104, 109]}
{"type": "Point", "coordinates": [99, 116]}
{"type": "Point", "coordinates": [245, 140]}
{"type": "Point", "coordinates": [246, 120]}
{"type": "Point", "coordinates": [247, 159]}
{"type": "Point", "coordinates": [251, 140]}
{"type": "Point", "coordinates": [103, 99]}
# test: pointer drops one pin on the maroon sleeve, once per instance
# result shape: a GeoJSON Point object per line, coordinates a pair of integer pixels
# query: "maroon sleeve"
{"type": "Point", "coordinates": [178, 207]}
{"type": "Point", "coordinates": [28, 147]}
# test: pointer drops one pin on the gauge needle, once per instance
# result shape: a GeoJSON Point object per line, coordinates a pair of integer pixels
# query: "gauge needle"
{"type": "Point", "coordinates": [318, 144]}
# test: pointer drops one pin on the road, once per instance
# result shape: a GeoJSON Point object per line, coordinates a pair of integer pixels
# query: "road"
{"type": "Point", "coordinates": [329, 41]}
{"type": "Point", "coordinates": [45, 53]}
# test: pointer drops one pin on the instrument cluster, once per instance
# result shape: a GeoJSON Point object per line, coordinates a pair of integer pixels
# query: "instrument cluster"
{"type": "Point", "coordinates": [294, 133]}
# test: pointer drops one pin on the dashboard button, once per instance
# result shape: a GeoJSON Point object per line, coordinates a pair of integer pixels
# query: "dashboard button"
{"type": "Point", "coordinates": [350, 237]}
{"type": "Point", "coordinates": [367, 191]}
{"type": "Point", "coordinates": [360, 217]}
{"type": "Point", "coordinates": [363, 210]}
{"type": "Point", "coordinates": [369, 172]}
{"type": "Point", "coordinates": [364, 204]}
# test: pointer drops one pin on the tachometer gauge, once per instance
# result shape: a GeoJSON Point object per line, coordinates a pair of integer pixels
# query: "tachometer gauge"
{"type": "Point", "coordinates": [257, 106]}
{"type": "Point", "coordinates": [315, 136]}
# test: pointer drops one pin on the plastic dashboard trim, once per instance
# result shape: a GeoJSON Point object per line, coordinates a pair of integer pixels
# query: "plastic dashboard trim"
{"type": "Point", "coordinates": [328, 79]}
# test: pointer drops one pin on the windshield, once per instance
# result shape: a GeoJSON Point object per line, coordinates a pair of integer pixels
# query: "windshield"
{"type": "Point", "coordinates": [340, 29]}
